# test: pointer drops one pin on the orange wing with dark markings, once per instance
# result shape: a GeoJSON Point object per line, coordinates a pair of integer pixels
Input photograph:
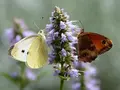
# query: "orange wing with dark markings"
{"type": "Point", "coordinates": [90, 45]}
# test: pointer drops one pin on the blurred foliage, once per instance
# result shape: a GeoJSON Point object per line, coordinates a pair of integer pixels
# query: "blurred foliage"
{"type": "Point", "coordinates": [101, 16]}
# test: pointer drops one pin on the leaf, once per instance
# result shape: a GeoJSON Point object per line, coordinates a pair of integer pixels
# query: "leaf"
{"type": "Point", "coordinates": [15, 79]}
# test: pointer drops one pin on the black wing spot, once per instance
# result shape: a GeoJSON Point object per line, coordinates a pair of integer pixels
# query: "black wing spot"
{"type": "Point", "coordinates": [23, 51]}
{"type": "Point", "coordinates": [27, 53]}
{"type": "Point", "coordinates": [103, 41]}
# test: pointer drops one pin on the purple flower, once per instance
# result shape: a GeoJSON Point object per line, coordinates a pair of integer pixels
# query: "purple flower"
{"type": "Point", "coordinates": [50, 37]}
{"type": "Point", "coordinates": [65, 14]}
{"type": "Point", "coordinates": [76, 64]}
{"type": "Point", "coordinates": [49, 41]}
{"type": "Point", "coordinates": [18, 37]}
{"type": "Point", "coordinates": [76, 31]}
{"type": "Point", "coordinates": [49, 27]}
{"type": "Point", "coordinates": [30, 75]}
{"type": "Point", "coordinates": [9, 32]}
{"type": "Point", "coordinates": [63, 52]}
{"type": "Point", "coordinates": [72, 46]}
{"type": "Point", "coordinates": [73, 73]}
{"type": "Point", "coordinates": [63, 37]}
{"type": "Point", "coordinates": [20, 22]}
{"type": "Point", "coordinates": [51, 33]}
{"type": "Point", "coordinates": [90, 71]}
{"type": "Point", "coordinates": [76, 86]}
{"type": "Point", "coordinates": [71, 37]}
{"type": "Point", "coordinates": [71, 26]}
{"type": "Point", "coordinates": [61, 40]}
{"type": "Point", "coordinates": [74, 28]}
{"type": "Point", "coordinates": [56, 72]}
{"type": "Point", "coordinates": [51, 57]}
{"type": "Point", "coordinates": [18, 32]}
{"type": "Point", "coordinates": [28, 33]}
{"type": "Point", "coordinates": [91, 83]}
{"type": "Point", "coordinates": [75, 58]}
{"type": "Point", "coordinates": [51, 60]}
{"type": "Point", "coordinates": [62, 25]}
{"type": "Point", "coordinates": [56, 34]}
{"type": "Point", "coordinates": [14, 74]}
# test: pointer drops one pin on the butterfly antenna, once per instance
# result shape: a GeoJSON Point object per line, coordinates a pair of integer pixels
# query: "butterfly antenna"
{"type": "Point", "coordinates": [81, 23]}
{"type": "Point", "coordinates": [82, 30]}
{"type": "Point", "coordinates": [36, 25]}
{"type": "Point", "coordinates": [41, 31]}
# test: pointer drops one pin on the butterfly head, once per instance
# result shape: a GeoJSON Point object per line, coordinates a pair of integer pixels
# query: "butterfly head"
{"type": "Point", "coordinates": [106, 44]}
{"type": "Point", "coordinates": [42, 34]}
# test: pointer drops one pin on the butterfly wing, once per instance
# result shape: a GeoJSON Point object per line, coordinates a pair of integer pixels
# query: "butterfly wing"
{"type": "Point", "coordinates": [37, 53]}
{"type": "Point", "coordinates": [86, 49]}
{"type": "Point", "coordinates": [91, 45]}
{"type": "Point", "coordinates": [19, 50]}
{"type": "Point", "coordinates": [101, 42]}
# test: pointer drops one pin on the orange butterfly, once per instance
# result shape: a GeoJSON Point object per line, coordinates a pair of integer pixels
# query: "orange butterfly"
{"type": "Point", "coordinates": [90, 45]}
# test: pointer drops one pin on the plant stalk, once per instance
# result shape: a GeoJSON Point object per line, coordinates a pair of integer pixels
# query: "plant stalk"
{"type": "Point", "coordinates": [61, 84]}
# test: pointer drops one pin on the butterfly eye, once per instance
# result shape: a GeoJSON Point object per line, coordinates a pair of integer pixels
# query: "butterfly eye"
{"type": "Point", "coordinates": [103, 42]}
{"type": "Point", "coordinates": [40, 31]}
{"type": "Point", "coordinates": [23, 51]}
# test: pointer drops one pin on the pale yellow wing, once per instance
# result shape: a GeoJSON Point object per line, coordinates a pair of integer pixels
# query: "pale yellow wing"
{"type": "Point", "coordinates": [37, 53]}
{"type": "Point", "coordinates": [20, 49]}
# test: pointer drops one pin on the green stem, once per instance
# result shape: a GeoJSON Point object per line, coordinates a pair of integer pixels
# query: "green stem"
{"type": "Point", "coordinates": [82, 82]}
{"type": "Point", "coordinates": [22, 67]}
{"type": "Point", "coordinates": [61, 84]}
{"type": "Point", "coordinates": [61, 79]}
{"type": "Point", "coordinates": [21, 88]}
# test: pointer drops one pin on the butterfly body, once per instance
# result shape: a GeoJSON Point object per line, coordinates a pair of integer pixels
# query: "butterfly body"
{"type": "Point", "coordinates": [90, 45]}
{"type": "Point", "coordinates": [32, 50]}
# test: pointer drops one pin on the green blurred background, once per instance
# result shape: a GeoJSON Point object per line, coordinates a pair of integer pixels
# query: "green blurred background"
{"type": "Point", "coordinates": [101, 16]}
